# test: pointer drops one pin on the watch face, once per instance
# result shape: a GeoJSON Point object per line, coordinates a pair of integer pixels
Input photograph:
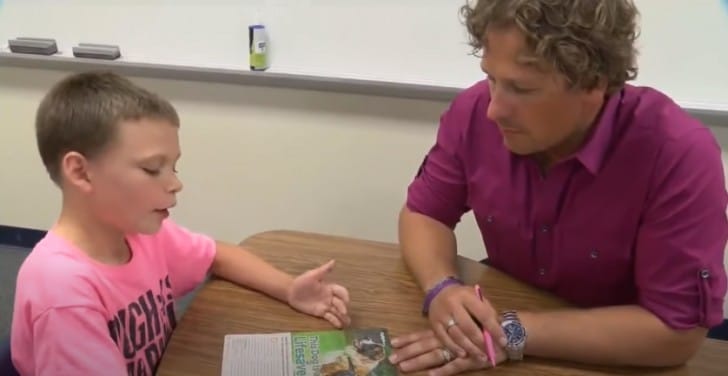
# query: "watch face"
{"type": "Point", "coordinates": [515, 333]}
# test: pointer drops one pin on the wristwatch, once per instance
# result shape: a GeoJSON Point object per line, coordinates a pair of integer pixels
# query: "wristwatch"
{"type": "Point", "coordinates": [515, 335]}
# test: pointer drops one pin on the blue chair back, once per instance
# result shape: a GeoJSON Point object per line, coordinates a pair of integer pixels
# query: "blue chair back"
{"type": "Point", "coordinates": [719, 332]}
{"type": "Point", "coordinates": [6, 361]}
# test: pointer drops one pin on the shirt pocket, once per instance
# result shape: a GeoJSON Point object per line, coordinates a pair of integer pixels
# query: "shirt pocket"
{"type": "Point", "coordinates": [506, 240]}
{"type": "Point", "coordinates": [593, 269]}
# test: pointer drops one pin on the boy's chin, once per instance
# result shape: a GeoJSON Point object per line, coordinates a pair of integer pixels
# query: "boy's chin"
{"type": "Point", "coordinates": [149, 227]}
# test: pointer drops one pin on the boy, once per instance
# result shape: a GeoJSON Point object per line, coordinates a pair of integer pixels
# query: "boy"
{"type": "Point", "coordinates": [96, 295]}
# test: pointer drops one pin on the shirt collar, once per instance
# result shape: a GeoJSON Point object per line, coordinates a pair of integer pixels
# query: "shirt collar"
{"type": "Point", "coordinates": [593, 151]}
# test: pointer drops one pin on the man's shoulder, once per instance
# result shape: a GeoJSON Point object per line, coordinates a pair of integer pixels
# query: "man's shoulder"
{"type": "Point", "coordinates": [472, 96]}
{"type": "Point", "coordinates": [655, 124]}
{"type": "Point", "coordinates": [468, 108]}
{"type": "Point", "coordinates": [653, 117]}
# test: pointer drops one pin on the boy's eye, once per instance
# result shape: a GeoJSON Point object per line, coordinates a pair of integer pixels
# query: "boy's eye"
{"type": "Point", "coordinates": [151, 171]}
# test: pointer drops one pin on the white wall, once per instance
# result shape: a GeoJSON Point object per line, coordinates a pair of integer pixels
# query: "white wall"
{"type": "Point", "coordinates": [351, 159]}
{"type": "Point", "coordinates": [429, 32]}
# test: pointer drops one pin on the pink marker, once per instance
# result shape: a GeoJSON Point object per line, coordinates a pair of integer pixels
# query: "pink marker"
{"type": "Point", "coordinates": [486, 336]}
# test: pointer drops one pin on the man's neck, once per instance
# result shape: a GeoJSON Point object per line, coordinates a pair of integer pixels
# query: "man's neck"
{"type": "Point", "coordinates": [570, 145]}
{"type": "Point", "coordinates": [90, 235]}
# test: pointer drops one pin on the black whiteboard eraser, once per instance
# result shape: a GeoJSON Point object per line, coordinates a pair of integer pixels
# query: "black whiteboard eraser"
{"type": "Point", "coordinates": [97, 51]}
{"type": "Point", "coordinates": [37, 46]}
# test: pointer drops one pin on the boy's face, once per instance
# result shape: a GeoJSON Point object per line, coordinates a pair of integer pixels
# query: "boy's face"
{"type": "Point", "coordinates": [133, 183]}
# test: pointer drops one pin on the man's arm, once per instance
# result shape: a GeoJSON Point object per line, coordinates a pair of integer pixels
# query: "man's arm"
{"type": "Point", "coordinates": [428, 248]}
{"type": "Point", "coordinates": [622, 335]}
{"type": "Point", "coordinates": [678, 272]}
{"type": "Point", "coordinates": [436, 200]}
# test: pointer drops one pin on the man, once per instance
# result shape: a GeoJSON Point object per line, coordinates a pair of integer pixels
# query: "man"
{"type": "Point", "coordinates": [605, 194]}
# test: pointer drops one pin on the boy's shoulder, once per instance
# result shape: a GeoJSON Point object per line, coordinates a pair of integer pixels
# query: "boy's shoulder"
{"type": "Point", "coordinates": [54, 276]}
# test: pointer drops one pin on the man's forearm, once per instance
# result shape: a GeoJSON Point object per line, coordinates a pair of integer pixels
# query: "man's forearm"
{"type": "Point", "coordinates": [428, 248]}
{"type": "Point", "coordinates": [623, 335]}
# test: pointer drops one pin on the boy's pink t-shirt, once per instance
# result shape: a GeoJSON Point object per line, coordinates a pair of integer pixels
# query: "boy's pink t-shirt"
{"type": "Point", "coordinates": [75, 316]}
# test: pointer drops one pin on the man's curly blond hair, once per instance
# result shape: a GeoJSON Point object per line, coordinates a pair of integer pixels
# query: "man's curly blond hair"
{"type": "Point", "coordinates": [585, 40]}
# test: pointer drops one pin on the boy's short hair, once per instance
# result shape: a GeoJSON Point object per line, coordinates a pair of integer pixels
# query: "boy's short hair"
{"type": "Point", "coordinates": [81, 113]}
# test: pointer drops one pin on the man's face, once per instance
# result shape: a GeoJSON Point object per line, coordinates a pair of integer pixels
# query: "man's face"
{"type": "Point", "coordinates": [535, 109]}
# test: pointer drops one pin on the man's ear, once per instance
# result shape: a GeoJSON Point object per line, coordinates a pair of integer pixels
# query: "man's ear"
{"type": "Point", "coordinates": [601, 88]}
{"type": "Point", "coordinates": [74, 169]}
{"type": "Point", "coordinates": [597, 94]}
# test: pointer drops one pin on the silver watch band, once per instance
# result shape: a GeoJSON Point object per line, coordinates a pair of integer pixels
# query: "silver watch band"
{"type": "Point", "coordinates": [515, 334]}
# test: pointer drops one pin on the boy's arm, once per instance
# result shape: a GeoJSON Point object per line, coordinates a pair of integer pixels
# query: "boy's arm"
{"type": "Point", "coordinates": [238, 265]}
{"type": "Point", "coordinates": [308, 292]}
{"type": "Point", "coordinates": [193, 255]}
{"type": "Point", "coordinates": [74, 341]}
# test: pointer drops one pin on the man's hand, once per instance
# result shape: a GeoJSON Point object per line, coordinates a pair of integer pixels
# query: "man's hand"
{"type": "Point", "coordinates": [423, 351]}
{"type": "Point", "coordinates": [453, 314]}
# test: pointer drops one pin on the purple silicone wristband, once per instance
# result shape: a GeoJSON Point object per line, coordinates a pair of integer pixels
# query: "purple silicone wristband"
{"type": "Point", "coordinates": [432, 293]}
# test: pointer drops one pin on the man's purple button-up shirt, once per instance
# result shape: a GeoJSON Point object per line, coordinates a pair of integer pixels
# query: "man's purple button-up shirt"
{"type": "Point", "coordinates": [636, 216]}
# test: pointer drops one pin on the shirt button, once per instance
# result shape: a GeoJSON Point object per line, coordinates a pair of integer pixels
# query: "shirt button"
{"type": "Point", "coordinates": [542, 271]}
{"type": "Point", "coordinates": [489, 219]}
{"type": "Point", "coordinates": [704, 274]}
{"type": "Point", "coordinates": [594, 253]}
{"type": "Point", "coordinates": [545, 228]}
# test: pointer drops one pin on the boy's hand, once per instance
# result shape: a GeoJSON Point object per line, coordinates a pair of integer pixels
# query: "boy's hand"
{"type": "Point", "coordinates": [311, 294]}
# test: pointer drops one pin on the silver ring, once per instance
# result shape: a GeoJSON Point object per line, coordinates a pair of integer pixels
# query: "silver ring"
{"type": "Point", "coordinates": [446, 355]}
{"type": "Point", "coordinates": [450, 324]}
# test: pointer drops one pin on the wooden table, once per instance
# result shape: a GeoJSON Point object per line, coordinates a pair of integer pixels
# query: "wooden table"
{"type": "Point", "coordinates": [383, 295]}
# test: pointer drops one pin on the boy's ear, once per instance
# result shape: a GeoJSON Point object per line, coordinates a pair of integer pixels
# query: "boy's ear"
{"type": "Point", "coordinates": [74, 169]}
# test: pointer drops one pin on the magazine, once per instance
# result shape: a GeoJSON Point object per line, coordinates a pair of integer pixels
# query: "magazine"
{"type": "Point", "coordinates": [349, 352]}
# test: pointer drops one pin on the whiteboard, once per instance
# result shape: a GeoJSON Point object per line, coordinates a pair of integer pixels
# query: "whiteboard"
{"type": "Point", "coordinates": [683, 44]}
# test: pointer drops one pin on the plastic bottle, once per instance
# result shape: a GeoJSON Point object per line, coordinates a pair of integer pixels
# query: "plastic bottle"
{"type": "Point", "coordinates": [258, 47]}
